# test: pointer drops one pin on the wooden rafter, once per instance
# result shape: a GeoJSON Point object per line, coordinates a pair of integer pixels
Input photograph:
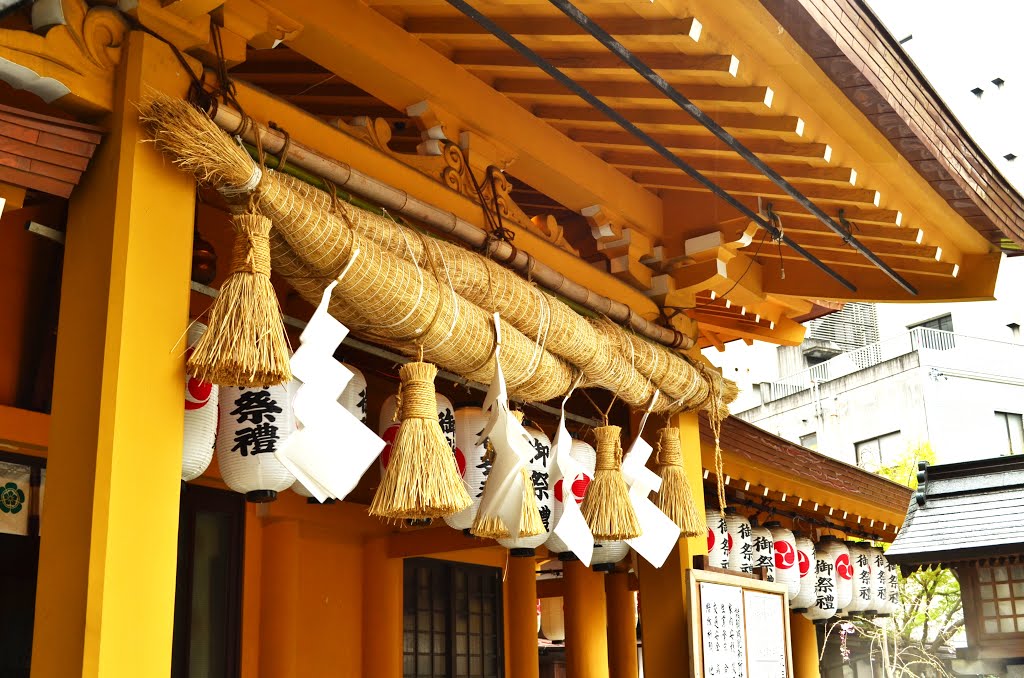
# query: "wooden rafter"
{"type": "Point", "coordinates": [785, 127]}
{"type": "Point", "coordinates": [701, 144]}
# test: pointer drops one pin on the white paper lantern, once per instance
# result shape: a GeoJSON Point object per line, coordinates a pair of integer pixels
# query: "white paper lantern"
{"type": "Point", "coordinates": [787, 566]}
{"type": "Point", "coordinates": [718, 540]}
{"type": "Point", "coordinates": [879, 580]}
{"type": "Point", "coordinates": [253, 423]}
{"type": "Point", "coordinates": [389, 428]}
{"type": "Point", "coordinates": [764, 550]}
{"type": "Point", "coordinates": [607, 553]}
{"type": "Point", "coordinates": [200, 417]}
{"type": "Point", "coordinates": [469, 423]}
{"type": "Point", "coordinates": [15, 498]}
{"type": "Point", "coordinates": [563, 489]}
{"type": "Point", "coordinates": [892, 584]}
{"type": "Point", "coordinates": [741, 545]}
{"type": "Point", "coordinates": [539, 473]}
{"type": "Point", "coordinates": [860, 562]}
{"type": "Point", "coordinates": [805, 557]}
{"type": "Point", "coordinates": [843, 570]}
{"type": "Point", "coordinates": [824, 605]}
{"type": "Point", "coordinates": [552, 619]}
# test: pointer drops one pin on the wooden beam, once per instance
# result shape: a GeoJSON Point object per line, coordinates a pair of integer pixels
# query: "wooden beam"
{"type": "Point", "coordinates": [777, 126]}
{"type": "Point", "coordinates": [713, 165]}
{"type": "Point", "coordinates": [785, 333]}
{"type": "Point", "coordinates": [365, 48]}
{"type": "Point", "coordinates": [428, 541]}
{"type": "Point", "coordinates": [853, 259]}
{"type": "Point", "coordinates": [821, 242]}
{"type": "Point", "coordinates": [855, 213]}
{"type": "Point", "coordinates": [449, 27]}
{"type": "Point", "coordinates": [713, 339]}
{"type": "Point", "coordinates": [847, 195]}
{"type": "Point", "coordinates": [752, 98]}
{"type": "Point", "coordinates": [720, 67]}
{"type": "Point", "coordinates": [700, 144]}
{"type": "Point", "coordinates": [549, 588]}
{"type": "Point", "coordinates": [25, 431]}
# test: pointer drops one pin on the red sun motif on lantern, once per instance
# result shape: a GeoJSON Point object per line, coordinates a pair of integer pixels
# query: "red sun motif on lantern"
{"type": "Point", "coordinates": [389, 439]}
{"type": "Point", "coordinates": [577, 489]}
{"type": "Point", "coordinates": [728, 541]}
{"type": "Point", "coordinates": [197, 391]}
{"type": "Point", "coordinates": [460, 460]}
{"type": "Point", "coordinates": [785, 555]}
{"type": "Point", "coordinates": [805, 564]}
{"type": "Point", "coordinates": [843, 567]}
{"type": "Point", "coordinates": [711, 540]}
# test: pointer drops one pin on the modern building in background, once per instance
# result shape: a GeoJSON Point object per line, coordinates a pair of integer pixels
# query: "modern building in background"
{"type": "Point", "coordinates": [873, 381]}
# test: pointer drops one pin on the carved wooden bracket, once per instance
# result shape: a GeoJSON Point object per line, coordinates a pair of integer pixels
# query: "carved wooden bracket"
{"type": "Point", "coordinates": [445, 161]}
{"type": "Point", "coordinates": [70, 57]}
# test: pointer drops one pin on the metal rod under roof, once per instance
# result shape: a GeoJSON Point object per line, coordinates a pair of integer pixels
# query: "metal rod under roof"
{"type": "Point", "coordinates": [583, 21]}
{"type": "Point", "coordinates": [616, 117]}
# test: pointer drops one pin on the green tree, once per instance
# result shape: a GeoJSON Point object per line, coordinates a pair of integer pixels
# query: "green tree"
{"type": "Point", "coordinates": [909, 642]}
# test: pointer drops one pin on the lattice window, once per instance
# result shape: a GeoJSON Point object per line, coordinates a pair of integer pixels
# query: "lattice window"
{"type": "Point", "coordinates": [1001, 590]}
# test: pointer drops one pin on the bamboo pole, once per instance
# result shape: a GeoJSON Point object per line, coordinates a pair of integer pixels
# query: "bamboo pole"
{"type": "Point", "coordinates": [396, 200]}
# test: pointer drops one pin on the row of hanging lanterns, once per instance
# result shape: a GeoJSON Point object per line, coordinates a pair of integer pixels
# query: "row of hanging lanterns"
{"type": "Point", "coordinates": [824, 579]}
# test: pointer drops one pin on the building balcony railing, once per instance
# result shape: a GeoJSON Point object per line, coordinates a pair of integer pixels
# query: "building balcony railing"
{"type": "Point", "coordinates": [937, 349]}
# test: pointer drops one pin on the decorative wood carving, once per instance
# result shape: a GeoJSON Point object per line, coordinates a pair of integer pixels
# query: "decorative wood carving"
{"type": "Point", "coordinates": [445, 161]}
{"type": "Point", "coordinates": [70, 57]}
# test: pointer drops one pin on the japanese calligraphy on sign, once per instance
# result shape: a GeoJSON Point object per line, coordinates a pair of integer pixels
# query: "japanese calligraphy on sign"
{"type": "Point", "coordinates": [766, 650]}
{"type": "Point", "coordinates": [723, 633]}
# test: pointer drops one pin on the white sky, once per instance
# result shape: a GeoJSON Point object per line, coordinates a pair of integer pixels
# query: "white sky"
{"type": "Point", "coordinates": [960, 45]}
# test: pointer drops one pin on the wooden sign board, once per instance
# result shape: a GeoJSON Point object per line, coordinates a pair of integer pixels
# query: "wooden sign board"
{"type": "Point", "coordinates": [740, 627]}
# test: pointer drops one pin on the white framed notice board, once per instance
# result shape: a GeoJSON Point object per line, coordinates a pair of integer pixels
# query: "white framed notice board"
{"type": "Point", "coordinates": [739, 627]}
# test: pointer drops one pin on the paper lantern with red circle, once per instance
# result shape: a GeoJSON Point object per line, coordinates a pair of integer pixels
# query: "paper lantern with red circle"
{"type": "Point", "coordinates": [860, 563]}
{"type": "Point", "coordinates": [843, 570]}
{"type": "Point", "coordinates": [718, 539]}
{"type": "Point", "coordinates": [787, 565]}
{"type": "Point", "coordinates": [389, 428]}
{"type": "Point", "coordinates": [824, 575]}
{"type": "Point", "coordinates": [470, 420]}
{"type": "Point", "coordinates": [540, 474]}
{"type": "Point", "coordinates": [254, 422]}
{"type": "Point", "coordinates": [200, 417]}
{"type": "Point", "coordinates": [741, 551]}
{"type": "Point", "coordinates": [552, 619]}
{"type": "Point", "coordinates": [764, 549]}
{"type": "Point", "coordinates": [805, 559]}
{"type": "Point", "coordinates": [563, 489]}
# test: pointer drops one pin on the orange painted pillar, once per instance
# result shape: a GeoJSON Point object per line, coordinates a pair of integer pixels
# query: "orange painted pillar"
{"type": "Point", "coordinates": [382, 611]}
{"type": "Point", "coordinates": [521, 580]}
{"type": "Point", "coordinates": [805, 646]}
{"type": "Point", "coordinates": [663, 592]}
{"type": "Point", "coordinates": [279, 600]}
{"type": "Point", "coordinates": [105, 595]}
{"type": "Point", "coordinates": [622, 658]}
{"type": "Point", "coordinates": [586, 640]}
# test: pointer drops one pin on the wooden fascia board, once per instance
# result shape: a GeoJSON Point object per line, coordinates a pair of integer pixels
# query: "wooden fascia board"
{"type": "Point", "coordinates": [366, 49]}
{"type": "Point", "coordinates": [24, 431]}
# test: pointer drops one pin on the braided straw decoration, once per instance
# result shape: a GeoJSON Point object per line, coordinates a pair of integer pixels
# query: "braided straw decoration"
{"type": "Point", "coordinates": [568, 335]}
{"type": "Point", "coordinates": [676, 496]}
{"type": "Point", "coordinates": [245, 343]}
{"type": "Point", "coordinates": [606, 505]}
{"type": "Point", "coordinates": [530, 523]}
{"type": "Point", "coordinates": [422, 479]}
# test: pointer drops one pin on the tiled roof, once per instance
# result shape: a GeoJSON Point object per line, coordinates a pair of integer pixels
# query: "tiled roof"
{"type": "Point", "coordinates": [964, 511]}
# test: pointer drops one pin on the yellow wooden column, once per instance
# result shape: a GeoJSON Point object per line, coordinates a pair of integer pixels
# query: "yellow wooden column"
{"type": "Point", "coordinates": [521, 581]}
{"type": "Point", "coordinates": [105, 600]}
{"type": "Point", "coordinates": [622, 659]}
{"type": "Point", "coordinates": [666, 632]}
{"type": "Point", "coordinates": [586, 640]}
{"type": "Point", "coordinates": [805, 646]}
{"type": "Point", "coordinates": [382, 611]}
{"type": "Point", "coordinates": [280, 579]}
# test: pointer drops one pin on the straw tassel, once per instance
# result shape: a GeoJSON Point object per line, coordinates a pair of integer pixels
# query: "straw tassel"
{"type": "Point", "coordinates": [422, 479]}
{"type": "Point", "coordinates": [676, 496]}
{"type": "Point", "coordinates": [530, 523]}
{"type": "Point", "coordinates": [245, 343]}
{"type": "Point", "coordinates": [606, 506]}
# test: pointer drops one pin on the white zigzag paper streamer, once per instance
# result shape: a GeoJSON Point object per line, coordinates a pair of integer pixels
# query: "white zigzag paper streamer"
{"type": "Point", "coordinates": [331, 449]}
{"type": "Point", "coordinates": [571, 527]}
